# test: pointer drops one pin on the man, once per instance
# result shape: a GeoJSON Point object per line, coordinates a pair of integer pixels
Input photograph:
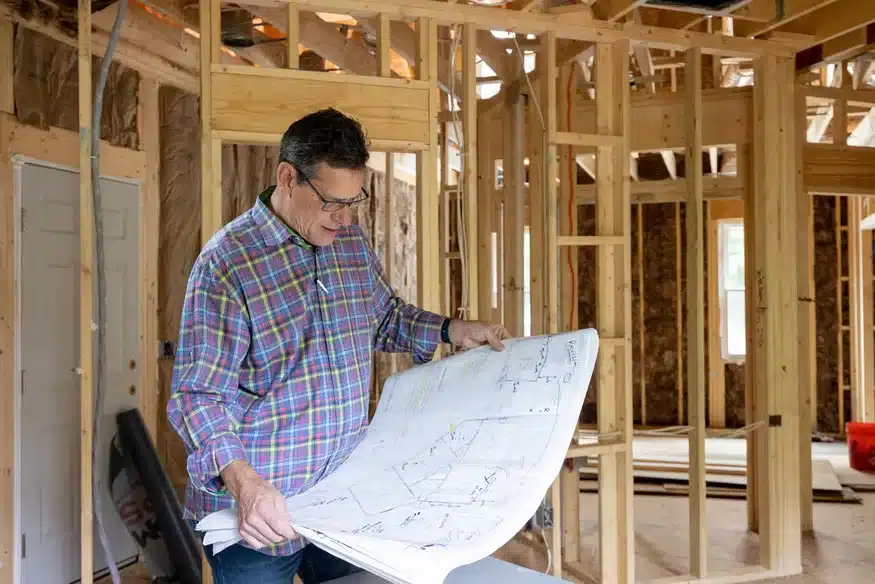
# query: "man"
{"type": "Point", "coordinates": [283, 310]}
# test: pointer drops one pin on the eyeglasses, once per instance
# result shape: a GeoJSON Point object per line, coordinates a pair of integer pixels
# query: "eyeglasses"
{"type": "Point", "coordinates": [334, 204]}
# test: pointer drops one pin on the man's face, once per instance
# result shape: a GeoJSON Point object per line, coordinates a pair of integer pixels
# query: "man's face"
{"type": "Point", "coordinates": [308, 215]}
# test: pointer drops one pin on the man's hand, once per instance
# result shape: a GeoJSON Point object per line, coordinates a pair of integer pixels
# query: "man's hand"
{"type": "Point", "coordinates": [473, 333]}
{"type": "Point", "coordinates": [261, 507]}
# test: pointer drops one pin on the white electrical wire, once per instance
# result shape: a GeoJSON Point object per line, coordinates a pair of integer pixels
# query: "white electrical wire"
{"type": "Point", "coordinates": [549, 553]}
{"type": "Point", "coordinates": [97, 473]}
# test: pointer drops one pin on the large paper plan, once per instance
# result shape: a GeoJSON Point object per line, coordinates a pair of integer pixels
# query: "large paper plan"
{"type": "Point", "coordinates": [457, 458]}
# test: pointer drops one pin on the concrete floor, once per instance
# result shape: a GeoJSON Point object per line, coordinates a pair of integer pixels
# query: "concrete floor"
{"type": "Point", "coordinates": [842, 551]}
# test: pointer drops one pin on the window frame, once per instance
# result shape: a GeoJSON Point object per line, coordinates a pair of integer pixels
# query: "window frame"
{"type": "Point", "coordinates": [723, 292]}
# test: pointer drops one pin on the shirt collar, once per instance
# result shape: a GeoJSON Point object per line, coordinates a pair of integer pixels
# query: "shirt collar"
{"type": "Point", "coordinates": [274, 231]}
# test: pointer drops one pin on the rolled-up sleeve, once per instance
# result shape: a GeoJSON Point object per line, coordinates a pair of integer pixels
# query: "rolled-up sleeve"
{"type": "Point", "coordinates": [213, 341]}
{"type": "Point", "coordinates": [401, 327]}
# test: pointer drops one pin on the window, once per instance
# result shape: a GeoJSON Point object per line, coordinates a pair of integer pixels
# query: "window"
{"type": "Point", "coordinates": [730, 241]}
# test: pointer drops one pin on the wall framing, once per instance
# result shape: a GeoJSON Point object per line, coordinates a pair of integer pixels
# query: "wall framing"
{"type": "Point", "coordinates": [60, 147]}
{"type": "Point", "coordinates": [825, 170]}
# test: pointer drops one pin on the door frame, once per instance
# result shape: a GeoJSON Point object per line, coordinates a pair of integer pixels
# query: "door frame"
{"type": "Point", "coordinates": [57, 148]}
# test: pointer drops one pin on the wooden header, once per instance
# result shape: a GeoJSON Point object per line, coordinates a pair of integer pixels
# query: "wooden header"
{"type": "Point", "coordinates": [256, 105]}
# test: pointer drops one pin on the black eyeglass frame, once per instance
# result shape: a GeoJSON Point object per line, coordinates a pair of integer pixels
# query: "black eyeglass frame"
{"type": "Point", "coordinates": [327, 204]}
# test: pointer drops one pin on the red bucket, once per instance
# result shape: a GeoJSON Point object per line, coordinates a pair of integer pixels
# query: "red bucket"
{"type": "Point", "coordinates": [861, 446]}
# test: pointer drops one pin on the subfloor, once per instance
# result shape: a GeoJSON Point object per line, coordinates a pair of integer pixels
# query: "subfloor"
{"type": "Point", "coordinates": [842, 551]}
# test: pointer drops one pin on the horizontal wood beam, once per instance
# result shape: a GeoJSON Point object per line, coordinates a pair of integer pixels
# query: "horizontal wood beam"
{"type": "Point", "coordinates": [256, 100]}
{"type": "Point", "coordinates": [537, 23]}
{"type": "Point", "coordinates": [670, 191]}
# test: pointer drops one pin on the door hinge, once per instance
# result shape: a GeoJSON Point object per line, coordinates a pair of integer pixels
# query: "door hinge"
{"type": "Point", "coordinates": [23, 219]}
{"type": "Point", "coordinates": [22, 381]}
{"type": "Point", "coordinates": [23, 545]}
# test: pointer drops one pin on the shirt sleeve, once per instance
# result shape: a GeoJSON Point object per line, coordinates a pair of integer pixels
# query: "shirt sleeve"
{"type": "Point", "coordinates": [213, 340]}
{"type": "Point", "coordinates": [401, 327]}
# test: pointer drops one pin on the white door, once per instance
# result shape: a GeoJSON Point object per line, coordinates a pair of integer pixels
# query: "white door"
{"type": "Point", "coordinates": [50, 457]}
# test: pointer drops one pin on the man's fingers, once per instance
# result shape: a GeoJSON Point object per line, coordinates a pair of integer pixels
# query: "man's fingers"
{"type": "Point", "coordinates": [260, 527]}
{"type": "Point", "coordinates": [281, 525]}
{"type": "Point", "coordinates": [251, 536]}
{"type": "Point", "coordinates": [493, 339]}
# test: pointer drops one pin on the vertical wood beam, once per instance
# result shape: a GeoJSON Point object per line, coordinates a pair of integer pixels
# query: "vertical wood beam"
{"type": "Point", "coordinates": [8, 371]}
{"type": "Point", "coordinates": [7, 313]}
{"type": "Point", "coordinates": [7, 66]}
{"type": "Point", "coordinates": [211, 147]}
{"type": "Point", "coordinates": [469, 167]}
{"type": "Point", "coordinates": [776, 315]}
{"type": "Point", "coordinates": [388, 228]}
{"type": "Point", "coordinates": [568, 263]}
{"type": "Point", "coordinates": [642, 336]}
{"type": "Point", "coordinates": [86, 297]}
{"type": "Point", "coordinates": [292, 33]}
{"type": "Point", "coordinates": [384, 60]}
{"type": "Point", "coordinates": [514, 211]}
{"type": "Point", "coordinates": [537, 213]}
{"type": "Point", "coordinates": [716, 365]}
{"type": "Point", "coordinates": [485, 219]}
{"type": "Point", "coordinates": [868, 349]}
{"type": "Point", "coordinates": [614, 312]}
{"type": "Point", "coordinates": [150, 196]}
{"type": "Point", "coordinates": [807, 332]}
{"type": "Point", "coordinates": [841, 228]}
{"type": "Point", "coordinates": [550, 172]}
{"type": "Point", "coordinates": [428, 206]}
{"type": "Point", "coordinates": [446, 200]}
{"type": "Point", "coordinates": [751, 358]}
{"type": "Point", "coordinates": [855, 308]}
{"type": "Point", "coordinates": [695, 312]}
{"type": "Point", "coordinates": [679, 303]}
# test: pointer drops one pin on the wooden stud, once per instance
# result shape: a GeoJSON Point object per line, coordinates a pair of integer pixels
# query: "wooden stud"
{"type": "Point", "coordinates": [211, 146]}
{"type": "Point", "coordinates": [384, 57]}
{"type": "Point", "coordinates": [8, 371]}
{"type": "Point", "coordinates": [695, 285]}
{"type": "Point", "coordinates": [427, 208]}
{"type": "Point", "coordinates": [679, 303]}
{"type": "Point", "coordinates": [537, 208]}
{"type": "Point", "coordinates": [807, 323]}
{"type": "Point", "coordinates": [7, 66]}
{"type": "Point", "coordinates": [776, 315]}
{"type": "Point", "coordinates": [292, 24]}
{"type": "Point", "coordinates": [150, 196]}
{"type": "Point", "coordinates": [868, 350]}
{"type": "Point", "coordinates": [641, 329]}
{"type": "Point", "coordinates": [550, 171]}
{"type": "Point", "coordinates": [469, 169]}
{"type": "Point", "coordinates": [514, 212]}
{"type": "Point", "coordinates": [855, 307]}
{"type": "Point", "coordinates": [840, 297]}
{"type": "Point", "coordinates": [716, 365]}
{"type": "Point", "coordinates": [485, 220]}
{"type": "Point", "coordinates": [614, 313]}
{"type": "Point", "coordinates": [86, 298]}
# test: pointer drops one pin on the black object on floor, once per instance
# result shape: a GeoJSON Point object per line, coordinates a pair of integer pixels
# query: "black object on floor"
{"type": "Point", "coordinates": [148, 506]}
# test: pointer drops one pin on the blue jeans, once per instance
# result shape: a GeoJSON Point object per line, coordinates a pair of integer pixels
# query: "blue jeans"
{"type": "Point", "coordinates": [241, 565]}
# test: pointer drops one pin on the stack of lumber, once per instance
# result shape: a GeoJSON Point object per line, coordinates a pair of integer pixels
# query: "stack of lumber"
{"type": "Point", "coordinates": [661, 467]}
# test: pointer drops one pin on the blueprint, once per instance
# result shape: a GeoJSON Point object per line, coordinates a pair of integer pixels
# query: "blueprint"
{"type": "Point", "coordinates": [457, 458]}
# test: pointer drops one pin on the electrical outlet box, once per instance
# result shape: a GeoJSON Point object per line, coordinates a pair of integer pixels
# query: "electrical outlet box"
{"type": "Point", "coordinates": [166, 350]}
{"type": "Point", "coordinates": [543, 517]}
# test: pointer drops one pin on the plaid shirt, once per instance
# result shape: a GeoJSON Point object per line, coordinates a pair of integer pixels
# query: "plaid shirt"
{"type": "Point", "coordinates": [274, 358]}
